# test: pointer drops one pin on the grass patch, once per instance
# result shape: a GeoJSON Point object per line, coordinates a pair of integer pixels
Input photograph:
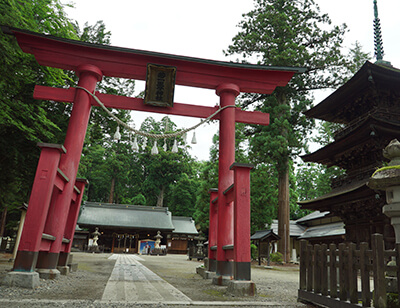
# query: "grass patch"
{"type": "Point", "coordinates": [85, 267]}
{"type": "Point", "coordinates": [213, 292]}
{"type": "Point", "coordinates": [263, 295]}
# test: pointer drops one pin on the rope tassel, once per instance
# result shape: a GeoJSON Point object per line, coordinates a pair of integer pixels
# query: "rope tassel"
{"type": "Point", "coordinates": [194, 140]}
{"type": "Point", "coordinates": [154, 150]}
{"type": "Point", "coordinates": [175, 147]}
{"type": "Point", "coordinates": [135, 147]}
{"type": "Point", "coordinates": [117, 135]}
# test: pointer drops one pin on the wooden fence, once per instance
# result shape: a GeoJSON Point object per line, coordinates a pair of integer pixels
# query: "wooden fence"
{"type": "Point", "coordinates": [343, 276]}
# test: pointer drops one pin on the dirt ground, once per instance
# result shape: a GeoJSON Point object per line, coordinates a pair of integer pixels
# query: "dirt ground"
{"type": "Point", "coordinates": [279, 284]}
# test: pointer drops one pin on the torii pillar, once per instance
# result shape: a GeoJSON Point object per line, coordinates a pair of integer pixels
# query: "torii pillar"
{"type": "Point", "coordinates": [227, 94]}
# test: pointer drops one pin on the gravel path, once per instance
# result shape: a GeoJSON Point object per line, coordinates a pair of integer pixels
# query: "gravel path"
{"type": "Point", "coordinates": [85, 287]}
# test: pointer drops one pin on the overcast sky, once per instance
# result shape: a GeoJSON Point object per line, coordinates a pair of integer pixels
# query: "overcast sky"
{"type": "Point", "coordinates": [205, 28]}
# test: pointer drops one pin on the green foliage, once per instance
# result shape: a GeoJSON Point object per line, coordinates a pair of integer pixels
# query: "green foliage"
{"type": "Point", "coordinates": [254, 252]}
{"type": "Point", "coordinates": [314, 180]}
{"type": "Point", "coordinates": [264, 196]}
{"type": "Point", "coordinates": [137, 200]}
{"type": "Point", "coordinates": [181, 198]}
{"type": "Point", "coordinates": [357, 58]}
{"type": "Point", "coordinates": [276, 257]}
{"type": "Point", "coordinates": [393, 300]}
{"type": "Point", "coordinates": [208, 178]}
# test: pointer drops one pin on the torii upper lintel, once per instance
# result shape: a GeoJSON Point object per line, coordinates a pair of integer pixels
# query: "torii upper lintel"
{"type": "Point", "coordinates": [131, 63]}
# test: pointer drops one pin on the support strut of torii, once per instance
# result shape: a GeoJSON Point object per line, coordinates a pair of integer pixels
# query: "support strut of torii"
{"type": "Point", "coordinates": [56, 193]}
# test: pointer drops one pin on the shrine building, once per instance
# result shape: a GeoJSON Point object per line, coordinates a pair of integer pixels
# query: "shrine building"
{"type": "Point", "coordinates": [122, 226]}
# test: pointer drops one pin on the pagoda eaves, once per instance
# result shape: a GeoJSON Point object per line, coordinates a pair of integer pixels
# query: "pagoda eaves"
{"type": "Point", "coordinates": [361, 141]}
{"type": "Point", "coordinates": [346, 103]}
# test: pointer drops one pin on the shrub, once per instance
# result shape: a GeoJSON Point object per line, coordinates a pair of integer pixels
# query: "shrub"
{"type": "Point", "coordinates": [392, 300]}
{"type": "Point", "coordinates": [276, 257]}
{"type": "Point", "coordinates": [254, 252]}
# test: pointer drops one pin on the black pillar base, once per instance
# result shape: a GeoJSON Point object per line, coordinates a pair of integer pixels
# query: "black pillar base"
{"type": "Point", "coordinates": [25, 261]}
{"type": "Point", "coordinates": [224, 268]}
{"type": "Point", "coordinates": [242, 271]}
{"type": "Point", "coordinates": [63, 259]}
{"type": "Point", "coordinates": [47, 260]}
{"type": "Point", "coordinates": [212, 265]}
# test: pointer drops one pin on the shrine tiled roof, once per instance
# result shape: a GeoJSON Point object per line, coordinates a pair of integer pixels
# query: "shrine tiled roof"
{"type": "Point", "coordinates": [328, 230]}
{"type": "Point", "coordinates": [262, 235]}
{"type": "Point", "coordinates": [295, 230]}
{"type": "Point", "coordinates": [184, 225]}
{"type": "Point", "coordinates": [312, 216]}
{"type": "Point", "coordinates": [125, 216]}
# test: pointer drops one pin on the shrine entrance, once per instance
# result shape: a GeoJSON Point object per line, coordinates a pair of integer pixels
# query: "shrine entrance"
{"type": "Point", "coordinates": [124, 243]}
{"type": "Point", "coordinates": [56, 193]}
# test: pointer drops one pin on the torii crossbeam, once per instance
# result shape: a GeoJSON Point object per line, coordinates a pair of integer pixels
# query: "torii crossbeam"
{"type": "Point", "coordinates": [54, 203]}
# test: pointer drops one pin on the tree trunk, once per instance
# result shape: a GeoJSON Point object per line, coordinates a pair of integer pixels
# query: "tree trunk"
{"type": "Point", "coordinates": [160, 198]}
{"type": "Point", "coordinates": [3, 222]}
{"type": "Point", "coordinates": [283, 214]}
{"type": "Point", "coordinates": [283, 193]}
{"type": "Point", "coordinates": [112, 189]}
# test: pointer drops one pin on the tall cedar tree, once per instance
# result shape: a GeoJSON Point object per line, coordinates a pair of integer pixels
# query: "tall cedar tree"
{"type": "Point", "coordinates": [288, 33]}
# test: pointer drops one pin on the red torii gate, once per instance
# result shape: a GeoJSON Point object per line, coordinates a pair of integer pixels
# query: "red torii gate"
{"type": "Point", "coordinates": [56, 193]}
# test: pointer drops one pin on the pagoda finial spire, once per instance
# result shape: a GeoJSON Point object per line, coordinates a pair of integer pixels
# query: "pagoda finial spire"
{"type": "Point", "coordinates": [377, 34]}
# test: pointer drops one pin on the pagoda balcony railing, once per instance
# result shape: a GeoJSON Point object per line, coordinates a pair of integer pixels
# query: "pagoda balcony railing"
{"type": "Point", "coordinates": [353, 125]}
{"type": "Point", "coordinates": [346, 179]}
{"type": "Point", "coordinates": [384, 115]}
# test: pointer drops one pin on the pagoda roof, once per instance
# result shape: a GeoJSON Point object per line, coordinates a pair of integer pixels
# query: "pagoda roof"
{"type": "Point", "coordinates": [369, 76]}
{"type": "Point", "coordinates": [354, 137]}
{"type": "Point", "coordinates": [352, 192]}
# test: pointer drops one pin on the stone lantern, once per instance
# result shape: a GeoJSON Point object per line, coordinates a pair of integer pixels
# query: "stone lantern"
{"type": "Point", "coordinates": [388, 179]}
{"type": "Point", "coordinates": [157, 248]}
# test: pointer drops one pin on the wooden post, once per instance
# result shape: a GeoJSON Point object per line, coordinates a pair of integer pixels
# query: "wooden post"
{"type": "Point", "coordinates": [303, 264]}
{"type": "Point", "coordinates": [332, 271]}
{"type": "Point", "coordinates": [212, 230]}
{"type": "Point", "coordinates": [241, 219]}
{"type": "Point", "coordinates": [317, 269]}
{"type": "Point", "coordinates": [342, 273]}
{"type": "Point", "coordinates": [309, 268]}
{"type": "Point", "coordinates": [112, 245]}
{"type": "Point", "coordinates": [379, 270]}
{"type": "Point", "coordinates": [324, 270]}
{"type": "Point", "coordinates": [352, 272]}
{"type": "Point", "coordinates": [364, 270]}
